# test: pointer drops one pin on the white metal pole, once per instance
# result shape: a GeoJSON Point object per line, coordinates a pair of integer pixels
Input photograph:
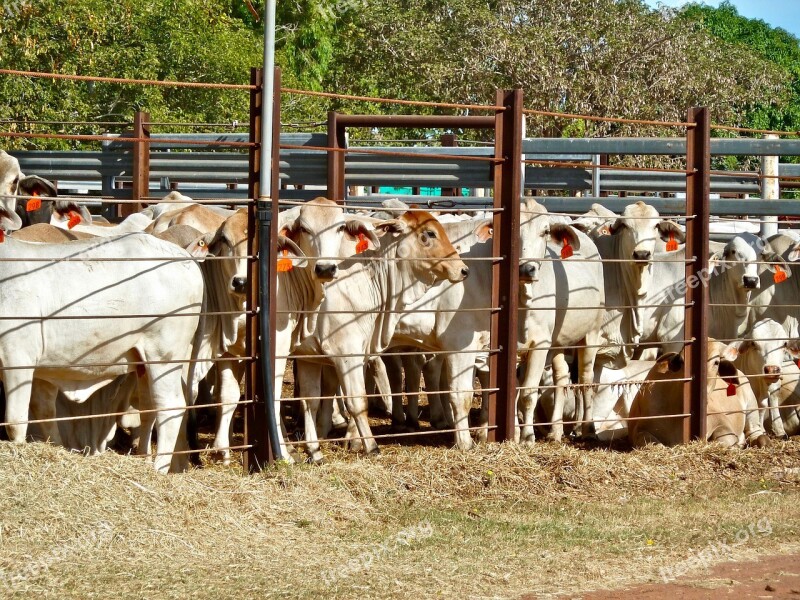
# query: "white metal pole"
{"type": "Point", "coordinates": [267, 100]}
{"type": "Point", "coordinates": [770, 189]}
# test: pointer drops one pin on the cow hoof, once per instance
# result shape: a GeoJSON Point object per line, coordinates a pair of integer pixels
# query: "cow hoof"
{"type": "Point", "coordinates": [528, 442]}
{"type": "Point", "coordinates": [400, 427]}
{"type": "Point", "coordinates": [355, 445]}
{"type": "Point", "coordinates": [412, 425]}
{"type": "Point", "coordinates": [762, 441]}
{"type": "Point", "coordinates": [374, 452]}
{"type": "Point", "coordinates": [554, 437]}
{"type": "Point", "coordinates": [440, 425]}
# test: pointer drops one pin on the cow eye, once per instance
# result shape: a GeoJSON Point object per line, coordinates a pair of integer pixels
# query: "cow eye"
{"type": "Point", "coordinates": [431, 234]}
{"type": "Point", "coordinates": [341, 229]}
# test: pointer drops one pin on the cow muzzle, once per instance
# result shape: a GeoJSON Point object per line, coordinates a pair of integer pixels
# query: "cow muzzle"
{"type": "Point", "coordinates": [457, 273]}
{"type": "Point", "coordinates": [772, 372]}
{"type": "Point", "coordinates": [239, 284]}
{"type": "Point", "coordinates": [749, 282]}
{"type": "Point", "coordinates": [642, 255]}
{"type": "Point", "coordinates": [325, 271]}
{"type": "Point", "coordinates": [528, 272]}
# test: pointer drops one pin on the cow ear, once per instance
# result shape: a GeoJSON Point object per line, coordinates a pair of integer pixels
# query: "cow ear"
{"type": "Point", "coordinates": [670, 229]}
{"type": "Point", "coordinates": [484, 231]}
{"type": "Point", "coordinates": [199, 248]}
{"type": "Point", "coordinates": [745, 346]}
{"type": "Point", "coordinates": [730, 352]}
{"type": "Point", "coordinates": [393, 226]}
{"type": "Point", "coordinates": [64, 210]}
{"type": "Point", "coordinates": [33, 185]}
{"type": "Point", "coordinates": [793, 348]}
{"type": "Point", "coordinates": [616, 226]}
{"type": "Point", "coordinates": [9, 220]}
{"type": "Point", "coordinates": [773, 260]}
{"type": "Point", "coordinates": [355, 228]}
{"type": "Point", "coordinates": [292, 252]}
{"type": "Point", "coordinates": [794, 254]}
{"type": "Point", "coordinates": [714, 261]}
{"type": "Point", "coordinates": [565, 234]}
{"type": "Point", "coordinates": [664, 361]}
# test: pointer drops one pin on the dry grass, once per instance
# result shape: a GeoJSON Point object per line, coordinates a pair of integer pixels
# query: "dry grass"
{"type": "Point", "coordinates": [503, 521]}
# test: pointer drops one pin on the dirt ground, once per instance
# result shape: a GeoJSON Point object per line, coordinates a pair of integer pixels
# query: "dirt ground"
{"type": "Point", "coordinates": [770, 577]}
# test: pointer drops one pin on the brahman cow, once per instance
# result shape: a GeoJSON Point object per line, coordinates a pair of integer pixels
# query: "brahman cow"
{"type": "Point", "coordinates": [363, 302]}
{"type": "Point", "coordinates": [42, 353]}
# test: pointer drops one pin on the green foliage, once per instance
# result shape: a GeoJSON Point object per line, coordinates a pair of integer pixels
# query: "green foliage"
{"type": "Point", "coordinates": [775, 45]}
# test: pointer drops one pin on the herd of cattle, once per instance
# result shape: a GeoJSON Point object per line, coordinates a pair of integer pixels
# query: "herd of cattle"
{"type": "Point", "coordinates": [106, 326]}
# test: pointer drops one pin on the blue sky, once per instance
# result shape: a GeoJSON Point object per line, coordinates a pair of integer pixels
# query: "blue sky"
{"type": "Point", "coordinates": [778, 13]}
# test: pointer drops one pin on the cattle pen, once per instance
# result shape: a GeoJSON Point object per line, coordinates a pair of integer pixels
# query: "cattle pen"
{"type": "Point", "coordinates": [509, 178]}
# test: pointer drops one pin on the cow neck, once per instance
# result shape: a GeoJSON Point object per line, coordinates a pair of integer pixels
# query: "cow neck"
{"type": "Point", "coordinates": [733, 320]}
{"type": "Point", "coordinates": [305, 293]}
{"type": "Point", "coordinates": [626, 281]}
{"type": "Point", "coordinates": [228, 328]}
{"type": "Point", "coordinates": [402, 289]}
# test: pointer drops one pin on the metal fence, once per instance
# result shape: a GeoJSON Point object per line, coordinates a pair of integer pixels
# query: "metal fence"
{"type": "Point", "coordinates": [140, 166]}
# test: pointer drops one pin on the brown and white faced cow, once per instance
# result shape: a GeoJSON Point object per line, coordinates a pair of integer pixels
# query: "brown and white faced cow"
{"type": "Point", "coordinates": [729, 396]}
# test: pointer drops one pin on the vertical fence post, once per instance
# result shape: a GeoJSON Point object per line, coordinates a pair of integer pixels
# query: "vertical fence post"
{"type": "Point", "coordinates": [505, 273]}
{"type": "Point", "coordinates": [698, 187]}
{"type": "Point", "coordinates": [450, 140]}
{"type": "Point", "coordinates": [770, 189]}
{"type": "Point", "coordinates": [255, 420]}
{"type": "Point", "coordinates": [141, 163]}
{"type": "Point", "coordinates": [336, 140]}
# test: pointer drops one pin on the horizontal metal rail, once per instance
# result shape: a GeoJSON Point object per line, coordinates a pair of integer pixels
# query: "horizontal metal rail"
{"type": "Point", "coordinates": [394, 394]}
{"type": "Point", "coordinates": [384, 436]}
{"type": "Point", "coordinates": [362, 354]}
{"type": "Point", "coordinates": [127, 364]}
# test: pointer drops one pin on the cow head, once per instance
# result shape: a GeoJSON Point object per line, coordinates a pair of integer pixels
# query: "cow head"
{"type": "Point", "coordinates": [720, 364]}
{"type": "Point", "coordinates": [596, 222]}
{"type": "Point", "coordinates": [639, 228]}
{"type": "Point", "coordinates": [319, 231]}
{"type": "Point", "coordinates": [425, 248]}
{"type": "Point", "coordinates": [764, 351]}
{"type": "Point", "coordinates": [230, 240]}
{"type": "Point", "coordinates": [537, 228]}
{"type": "Point", "coordinates": [740, 259]}
{"type": "Point", "coordinates": [10, 177]}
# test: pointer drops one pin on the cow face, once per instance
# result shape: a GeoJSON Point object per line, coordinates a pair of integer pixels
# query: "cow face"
{"type": "Point", "coordinates": [323, 231]}
{"type": "Point", "coordinates": [230, 240]}
{"type": "Point", "coordinates": [425, 248]}
{"type": "Point", "coordinates": [720, 364]}
{"type": "Point", "coordinates": [740, 261]}
{"type": "Point", "coordinates": [764, 352]}
{"type": "Point", "coordinates": [537, 228]}
{"type": "Point", "coordinates": [639, 228]}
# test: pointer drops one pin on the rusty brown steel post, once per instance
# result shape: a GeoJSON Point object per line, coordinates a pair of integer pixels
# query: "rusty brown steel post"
{"type": "Point", "coordinates": [450, 140]}
{"type": "Point", "coordinates": [698, 187]}
{"type": "Point", "coordinates": [141, 164]}
{"type": "Point", "coordinates": [255, 416]}
{"type": "Point", "coordinates": [505, 272]}
{"type": "Point", "coordinates": [336, 140]}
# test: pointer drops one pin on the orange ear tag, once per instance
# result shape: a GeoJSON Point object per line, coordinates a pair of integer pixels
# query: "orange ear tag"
{"type": "Point", "coordinates": [362, 244]}
{"type": "Point", "coordinates": [34, 203]}
{"type": "Point", "coordinates": [779, 276]}
{"type": "Point", "coordinates": [731, 389]}
{"type": "Point", "coordinates": [566, 251]}
{"type": "Point", "coordinates": [3, 239]}
{"type": "Point", "coordinates": [285, 264]}
{"type": "Point", "coordinates": [74, 219]}
{"type": "Point", "coordinates": [672, 244]}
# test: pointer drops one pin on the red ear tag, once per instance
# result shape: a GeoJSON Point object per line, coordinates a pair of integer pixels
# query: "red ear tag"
{"type": "Point", "coordinates": [140, 371]}
{"type": "Point", "coordinates": [362, 244]}
{"type": "Point", "coordinates": [74, 219]}
{"type": "Point", "coordinates": [3, 239]}
{"type": "Point", "coordinates": [779, 276]}
{"type": "Point", "coordinates": [285, 264]}
{"type": "Point", "coordinates": [798, 362]}
{"type": "Point", "coordinates": [34, 203]}
{"type": "Point", "coordinates": [566, 251]}
{"type": "Point", "coordinates": [672, 244]}
{"type": "Point", "coordinates": [731, 389]}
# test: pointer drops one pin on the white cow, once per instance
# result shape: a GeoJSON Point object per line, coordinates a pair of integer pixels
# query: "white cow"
{"type": "Point", "coordinates": [774, 377]}
{"type": "Point", "coordinates": [78, 357]}
{"type": "Point", "coordinates": [362, 306]}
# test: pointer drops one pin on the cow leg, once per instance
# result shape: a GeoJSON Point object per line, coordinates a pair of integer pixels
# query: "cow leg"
{"type": "Point", "coordinates": [561, 378]}
{"type": "Point", "coordinates": [390, 404]}
{"type": "Point", "coordinates": [483, 432]}
{"type": "Point", "coordinates": [461, 370]}
{"type": "Point", "coordinates": [329, 389]}
{"type": "Point", "coordinates": [586, 360]}
{"type": "Point", "coordinates": [43, 407]}
{"type": "Point", "coordinates": [280, 369]}
{"type": "Point", "coordinates": [351, 378]}
{"type": "Point", "coordinates": [776, 422]}
{"type": "Point", "coordinates": [309, 379]}
{"type": "Point", "coordinates": [227, 394]}
{"type": "Point", "coordinates": [167, 396]}
{"type": "Point", "coordinates": [412, 366]}
{"type": "Point", "coordinates": [529, 393]}
{"type": "Point", "coordinates": [393, 369]}
{"type": "Point", "coordinates": [147, 416]}
{"type": "Point", "coordinates": [18, 384]}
